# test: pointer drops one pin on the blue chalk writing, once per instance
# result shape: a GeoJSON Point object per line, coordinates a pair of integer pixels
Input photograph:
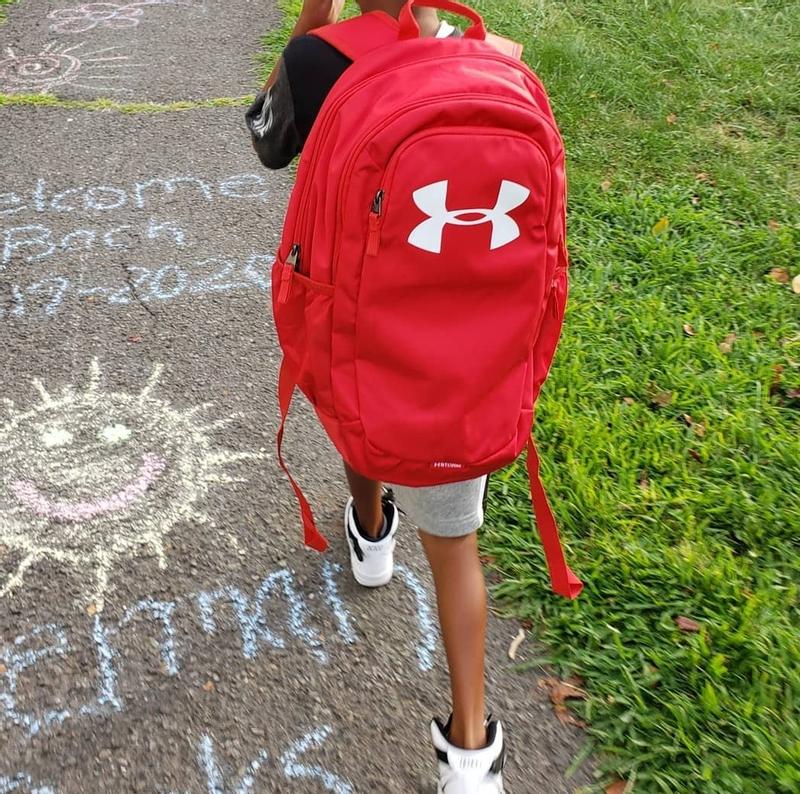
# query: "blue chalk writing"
{"type": "Point", "coordinates": [159, 610]}
{"type": "Point", "coordinates": [22, 781]}
{"type": "Point", "coordinates": [206, 758]}
{"type": "Point", "coordinates": [427, 645]}
{"type": "Point", "coordinates": [43, 642]}
{"type": "Point", "coordinates": [295, 770]}
{"type": "Point", "coordinates": [252, 621]}
{"type": "Point", "coordinates": [340, 611]}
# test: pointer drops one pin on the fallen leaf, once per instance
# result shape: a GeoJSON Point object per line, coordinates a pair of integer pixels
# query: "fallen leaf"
{"type": "Point", "coordinates": [661, 226]}
{"type": "Point", "coordinates": [605, 185]}
{"type": "Point", "coordinates": [777, 379]}
{"type": "Point", "coordinates": [515, 643]}
{"type": "Point", "coordinates": [644, 483]}
{"type": "Point", "coordinates": [773, 225]}
{"type": "Point", "coordinates": [796, 284]}
{"type": "Point", "coordinates": [3, 669]}
{"type": "Point", "coordinates": [561, 690]}
{"type": "Point", "coordinates": [714, 45]}
{"type": "Point", "coordinates": [699, 429]}
{"type": "Point", "coordinates": [91, 610]}
{"type": "Point", "coordinates": [662, 398]}
{"type": "Point", "coordinates": [687, 624]}
{"type": "Point", "coordinates": [134, 338]}
{"type": "Point", "coordinates": [793, 394]}
{"type": "Point", "coordinates": [576, 680]}
{"type": "Point", "coordinates": [702, 177]}
{"type": "Point", "coordinates": [617, 787]}
{"type": "Point", "coordinates": [695, 455]}
{"type": "Point", "coordinates": [208, 686]}
{"type": "Point", "coordinates": [566, 717]}
{"type": "Point", "coordinates": [671, 118]}
{"type": "Point", "coordinates": [688, 329]}
{"type": "Point", "coordinates": [726, 345]}
{"type": "Point", "coordinates": [695, 200]}
{"type": "Point", "coordinates": [629, 401]}
{"type": "Point", "coordinates": [779, 274]}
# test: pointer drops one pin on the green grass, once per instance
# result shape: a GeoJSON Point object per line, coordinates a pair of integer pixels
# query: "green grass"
{"type": "Point", "coordinates": [3, 13]}
{"type": "Point", "coordinates": [688, 111]}
{"type": "Point", "coordinates": [673, 465]}
{"type": "Point", "coordinates": [47, 100]}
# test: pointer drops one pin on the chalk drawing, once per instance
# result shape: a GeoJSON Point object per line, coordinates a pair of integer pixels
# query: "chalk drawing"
{"type": "Point", "coordinates": [49, 642]}
{"type": "Point", "coordinates": [56, 66]}
{"type": "Point", "coordinates": [427, 644]}
{"type": "Point", "coordinates": [295, 770]}
{"type": "Point", "coordinates": [48, 296]}
{"type": "Point", "coordinates": [144, 194]}
{"type": "Point", "coordinates": [340, 611]}
{"type": "Point", "coordinates": [252, 621]}
{"type": "Point", "coordinates": [22, 781]}
{"type": "Point", "coordinates": [207, 760]}
{"type": "Point", "coordinates": [27, 651]}
{"type": "Point", "coordinates": [117, 16]}
{"type": "Point", "coordinates": [92, 477]}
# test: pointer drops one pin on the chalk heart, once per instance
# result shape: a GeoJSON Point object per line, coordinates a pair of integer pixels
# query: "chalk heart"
{"type": "Point", "coordinates": [93, 477]}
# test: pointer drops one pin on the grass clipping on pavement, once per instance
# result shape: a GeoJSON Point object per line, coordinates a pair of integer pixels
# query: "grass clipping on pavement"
{"type": "Point", "coordinates": [670, 426]}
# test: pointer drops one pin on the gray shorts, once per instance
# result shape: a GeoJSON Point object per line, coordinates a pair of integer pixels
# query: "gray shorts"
{"type": "Point", "coordinates": [449, 511]}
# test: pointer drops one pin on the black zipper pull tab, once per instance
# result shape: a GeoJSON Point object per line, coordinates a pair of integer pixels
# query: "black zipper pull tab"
{"type": "Point", "coordinates": [374, 237]}
{"type": "Point", "coordinates": [290, 267]}
{"type": "Point", "coordinates": [294, 257]}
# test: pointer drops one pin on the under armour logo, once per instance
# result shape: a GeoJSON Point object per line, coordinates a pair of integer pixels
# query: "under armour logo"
{"type": "Point", "coordinates": [432, 200]}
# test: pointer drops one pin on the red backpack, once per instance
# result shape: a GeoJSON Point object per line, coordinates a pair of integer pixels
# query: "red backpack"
{"type": "Point", "coordinates": [420, 284]}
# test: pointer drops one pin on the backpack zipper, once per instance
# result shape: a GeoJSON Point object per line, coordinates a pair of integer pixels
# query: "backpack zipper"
{"type": "Point", "coordinates": [376, 212]}
{"type": "Point", "coordinates": [374, 238]}
{"type": "Point", "coordinates": [290, 267]}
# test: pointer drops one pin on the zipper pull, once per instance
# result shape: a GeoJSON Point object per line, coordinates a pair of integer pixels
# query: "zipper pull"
{"type": "Point", "coordinates": [287, 274]}
{"type": "Point", "coordinates": [374, 236]}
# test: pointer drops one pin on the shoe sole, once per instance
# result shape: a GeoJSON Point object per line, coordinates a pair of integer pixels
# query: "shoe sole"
{"type": "Point", "coordinates": [376, 580]}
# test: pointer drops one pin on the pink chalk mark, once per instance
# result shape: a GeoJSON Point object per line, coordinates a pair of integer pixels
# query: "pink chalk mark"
{"type": "Point", "coordinates": [30, 496]}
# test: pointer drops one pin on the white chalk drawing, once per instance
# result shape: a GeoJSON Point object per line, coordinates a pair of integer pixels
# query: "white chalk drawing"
{"type": "Point", "coordinates": [93, 477]}
{"type": "Point", "coordinates": [56, 65]}
{"type": "Point", "coordinates": [22, 782]}
{"type": "Point", "coordinates": [148, 194]}
{"type": "Point", "coordinates": [46, 297]}
{"type": "Point", "coordinates": [116, 16]}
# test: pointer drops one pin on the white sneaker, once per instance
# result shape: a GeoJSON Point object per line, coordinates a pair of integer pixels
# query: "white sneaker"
{"type": "Point", "coordinates": [470, 771]}
{"type": "Point", "coordinates": [372, 560]}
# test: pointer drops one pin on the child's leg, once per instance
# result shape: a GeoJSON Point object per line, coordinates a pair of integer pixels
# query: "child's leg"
{"type": "Point", "coordinates": [461, 596]}
{"type": "Point", "coordinates": [366, 495]}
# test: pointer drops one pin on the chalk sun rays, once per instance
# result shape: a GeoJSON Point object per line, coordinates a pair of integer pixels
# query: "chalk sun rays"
{"type": "Point", "coordinates": [94, 477]}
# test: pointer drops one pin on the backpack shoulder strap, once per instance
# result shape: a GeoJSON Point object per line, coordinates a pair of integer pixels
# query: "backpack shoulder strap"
{"type": "Point", "coordinates": [356, 37]}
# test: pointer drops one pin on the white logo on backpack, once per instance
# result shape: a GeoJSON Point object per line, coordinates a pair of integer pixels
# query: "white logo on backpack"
{"type": "Point", "coordinates": [432, 200]}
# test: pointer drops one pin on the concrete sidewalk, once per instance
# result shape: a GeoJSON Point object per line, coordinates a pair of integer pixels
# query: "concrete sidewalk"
{"type": "Point", "coordinates": [161, 628]}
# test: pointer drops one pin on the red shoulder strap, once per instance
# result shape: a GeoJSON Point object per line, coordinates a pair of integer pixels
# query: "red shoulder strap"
{"type": "Point", "coordinates": [356, 37]}
{"type": "Point", "coordinates": [564, 582]}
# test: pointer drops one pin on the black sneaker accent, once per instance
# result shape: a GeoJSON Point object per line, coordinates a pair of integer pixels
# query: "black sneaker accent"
{"type": "Point", "coordinates": [491, 733]}
{"type": "Point", "coordinates": [359, 552]}
{"type": "Point", "coordinates": [388, 506]}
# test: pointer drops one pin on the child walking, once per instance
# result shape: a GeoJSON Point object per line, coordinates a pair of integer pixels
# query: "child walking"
{"type": "Point", "coordinates": [312, 300]}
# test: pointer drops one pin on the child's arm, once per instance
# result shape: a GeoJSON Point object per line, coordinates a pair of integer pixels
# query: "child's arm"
{"type": "Point", "coordinates": [271, 118]}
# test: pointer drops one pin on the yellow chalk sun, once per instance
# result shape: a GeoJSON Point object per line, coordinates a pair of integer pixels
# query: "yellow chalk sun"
{"type": "Point", "coordinates": [92, 477]}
